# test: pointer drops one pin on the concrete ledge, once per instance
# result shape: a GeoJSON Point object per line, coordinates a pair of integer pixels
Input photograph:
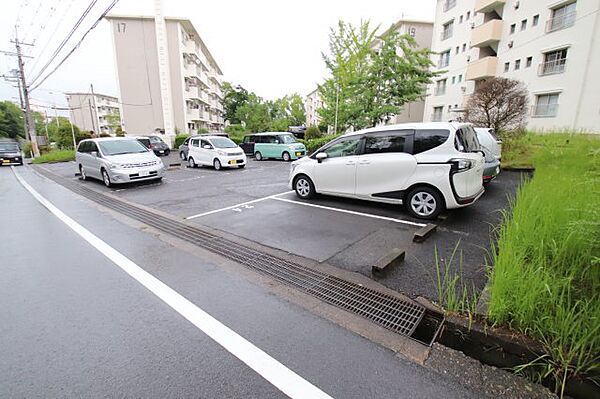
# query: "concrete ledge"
{"type": "Point", "coordinates": [424, 232]}
{"type": "Point", "coordinates": [387, 262]}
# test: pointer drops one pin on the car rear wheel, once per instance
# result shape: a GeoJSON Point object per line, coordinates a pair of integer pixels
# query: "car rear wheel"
{"type": "Point", "coordinates": [258, 156]}
{"type": "Point", "coordinates": [167, 152]}
{"type": "Point", "coordinates": [286, 156]}
{"type": "Point", "coordinates": [424, 203]}
{"type": "Point", "coordinates": [191, 162]}
{"type": "Point", "coordinates": [182, 155]}
{"type": "Point", "coordinates": [217, 164]}
{"type": "Point", "coordinates": [242, 166]}
{"type": "Point", "coordinates": [82, 173]}
{"type": "Point", "coordinates": [106, 178]}
{"type": "Point", "coordinates": [304, 187]}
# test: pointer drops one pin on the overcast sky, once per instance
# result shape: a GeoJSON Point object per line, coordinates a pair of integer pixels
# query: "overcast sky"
{"type": "Point", "coordinates": [270, 47]}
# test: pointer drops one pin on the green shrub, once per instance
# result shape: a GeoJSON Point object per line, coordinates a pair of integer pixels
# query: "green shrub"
{"type": "Point", "coordinates": [105, 135]}
{"type": "Point", "coordinates": [202, 130]}
{"type": "Point", "coordinates": [312, 132]}
{"type": "Point", "coordinates": [315, 144]}
{"type": "Point", "coordinates": [26, 148]}
{"type": "Point", "coordinates": [55, 156]}
{"type": "Point", "coordinates": [180, 138]}
{"type": "Point", "coordinates": [236, 132]}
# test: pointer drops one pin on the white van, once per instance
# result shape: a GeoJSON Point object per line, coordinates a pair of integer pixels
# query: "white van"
{"type": "Point", "coordinates": [426, 166]}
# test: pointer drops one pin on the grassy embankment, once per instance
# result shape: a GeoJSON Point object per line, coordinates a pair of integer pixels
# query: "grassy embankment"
{"type": "Point", "coordinates": [55, 156]}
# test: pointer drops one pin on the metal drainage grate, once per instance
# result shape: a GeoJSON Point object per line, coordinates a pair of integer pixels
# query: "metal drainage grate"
{"type": "Point", "coordinates": [393, 313]}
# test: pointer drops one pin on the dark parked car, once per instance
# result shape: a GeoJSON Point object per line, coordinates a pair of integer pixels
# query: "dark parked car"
{"type": "Point", "coordinates": [10, 152]}
{"type": "Point", "coordinates": [155, 144]}
{"type": "Point", "coordinates": [184, 147]}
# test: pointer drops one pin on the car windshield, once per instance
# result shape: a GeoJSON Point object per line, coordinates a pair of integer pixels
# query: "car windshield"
{"type": "Point", "coordinates": [466, 140]}
{"type": "Point", "coordinates": [288, 139]}
{"type": "Point", "coordinates": [118, 147]}
{"type": "Point", "coordinates": [222, 142]}
{"type": "Point", "coordinates": [9, 147]}
{"type": "Point", "coordinates": [154, 139]}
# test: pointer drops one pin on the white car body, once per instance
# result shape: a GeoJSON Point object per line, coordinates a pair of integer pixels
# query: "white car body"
{"type": "Point", "coordinates": [207, 150]}
{"type": "Point", "coordinates": [391, 162]}
{"type": "Point", "coordinates": [140, 164]}
{"type": "Point", "coordinates": [488, 139]}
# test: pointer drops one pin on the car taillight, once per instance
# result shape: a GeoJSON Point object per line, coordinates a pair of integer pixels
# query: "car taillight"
{"type": "Point", "coordinates": [460, 165]}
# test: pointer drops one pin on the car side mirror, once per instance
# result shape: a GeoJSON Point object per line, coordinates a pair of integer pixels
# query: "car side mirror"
{"type": "Point", "coordinates": [94, 154]}
{"type": "Point", "coordinates": [321, 156]}
{"type": "Point", "coordinates": [207, 147]}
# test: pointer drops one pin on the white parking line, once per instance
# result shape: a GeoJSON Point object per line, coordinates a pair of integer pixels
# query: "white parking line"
{"type": "Point", "coordinates": [269, 368]}
{"type": "Point", "coordinates": [236, 206]}
{"type": "Point", "coordinates": [351, 212]}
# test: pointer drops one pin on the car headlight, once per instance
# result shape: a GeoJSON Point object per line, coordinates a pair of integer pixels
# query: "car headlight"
{"type": "Point", "coordinates": [221, 152]}
{"type": "Point", "coordinates": [114, 165]}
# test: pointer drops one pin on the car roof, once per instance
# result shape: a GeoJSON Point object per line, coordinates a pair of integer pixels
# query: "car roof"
{"type": "Point", "coordinates": [212, 137]}
{"type": "Point", "coordinates": [267, 133]}
{"type": "Point", "coordinates": [109, 138]}
{"type": "Point", "coordinates": [412, 126]}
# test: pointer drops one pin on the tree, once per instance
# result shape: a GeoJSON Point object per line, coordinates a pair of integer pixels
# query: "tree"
{"type": "Point", "coordinates": [312, 132]}
{"type": "Point", "coordinates": [255, 114]}
{"type": "Point", "coordinates": [498, 103]}
{"type": "Point", "coordinates": [371, 77]}
{"type": "Point", "coordinates": [11, 120]}
{"type": "Point", "coordinates": [233, 98]}
{"type": "Point", "coordinates": [114, 121]}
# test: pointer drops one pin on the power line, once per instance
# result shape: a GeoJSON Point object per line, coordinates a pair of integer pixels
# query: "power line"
{"type": "Point", "coordinates": [33, 19]}
{"type": "Point", "coordinates": [65, 40]}
{"type": "Point", "coordinates": [46, 20]}
{"type": "Point", "coordinates": [110, 7]}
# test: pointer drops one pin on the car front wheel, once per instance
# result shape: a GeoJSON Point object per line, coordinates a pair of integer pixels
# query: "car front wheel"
{"type": "Point", "coordinates": [258, 156]}
{"type": "Point", "coordinates": [286, 156]}
{"type": "Point", "coordinates": [304, 187]}
{"type": "Point", "coordinates": [217, 164]}
{"type": "Point", "coordinates": [424, 203]}
{"type": "Point", "coordinates": [106, 178]}
{"type": "Point", "coordinates": [191, 162]}
{"type": "Point", "coordinates": [82, 173]}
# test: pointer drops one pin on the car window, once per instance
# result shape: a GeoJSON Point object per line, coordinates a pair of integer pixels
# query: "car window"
{"type": "Point", "coordinates": [83, 146]}
{"type": "Point", "coordinates": [9, 146]}
{"type": "Point", "coordinates": [427, 139]}
{"type": "Point", "coordinates": [246, 139]}
{"type": "Point", "coordinates": [385, 143]}
{"type": "Point", "coordinates": [145, 142]}
{"type": "Point", "coordinates": [154, 139]}
{"type": "Point", "coordinates": [186, 141]}
{"type": "Point", "coordinates": [92, 147]}
{"type": "Point", "coordinates": [223, 142]}
{"type": "Point", "coordinates": [287, 139]}
{"type": "Point", "coordinates": [118, 147]}
{"type": "Point", "coordinates": [204, 142]}
{"type": "Point", "coordinates": [466, 140]}
{"type": "Point", "coordinates": [195, 143]}
{"type": "Point", "coordinates": [343, 147]}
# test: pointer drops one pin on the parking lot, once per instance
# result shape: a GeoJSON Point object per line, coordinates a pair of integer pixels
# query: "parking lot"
{"type": "Point", "coordinates": [255, 203]}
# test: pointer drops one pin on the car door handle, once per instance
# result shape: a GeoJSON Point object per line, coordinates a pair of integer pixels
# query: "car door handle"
{"type": "Point", "coordinates": [351, 163]}
{"type": "Point", "coordinates": [365, 162]}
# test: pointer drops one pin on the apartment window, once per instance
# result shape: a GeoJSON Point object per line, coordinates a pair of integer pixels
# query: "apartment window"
{"type": "Point", "coordinates": [457, 49]}
{"type": "Point", "coordinates": [437, 114]}
{"type": "Point", "coordinates": [440, 87]}
{"type": "Point", "coordinates": [447, 30]}
{"type": "Point", "coordinates": [453, 79]}
{"type": "Point", "coordinates": [449, 4]}
{"type": "Point", "coordinates": [459, 78]}
{"type": "Point", "coordinates": [506, 66]}
{"type": "Point", "coordinates": [546, 105]}
{"type": "Point", "coordinates": [444, 59]}
{"type": "Point", "coordinates": [523, 24]}
{"type": "Point", "coordinates": [513, 27]}
{"type": "Point", "coordinates": [554, 62]}
{"type": "Point", "coordinates": [517, 65]}
{"type": "Point", "coordinates": [468, 15]}
{"type": "Point", "coordinates": [449, 107]}
{"type": "Point", "coordinates": [528, 62]}
{"type": "Point", "coordinates": [562, 17]}
{"type": "Point", "coordinates": [460, 19]}
{"type": "Point", "coordinates": [536, 20]}
{"type": "Point", "coordinates": [464, 47]}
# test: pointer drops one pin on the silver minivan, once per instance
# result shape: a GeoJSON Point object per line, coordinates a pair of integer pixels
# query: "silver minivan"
{"type": "Point", "coordinates": [117, 160]}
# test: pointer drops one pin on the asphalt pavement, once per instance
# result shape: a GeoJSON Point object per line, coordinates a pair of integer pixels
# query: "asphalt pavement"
{"type": "Point", "coordinates": [73, 324]}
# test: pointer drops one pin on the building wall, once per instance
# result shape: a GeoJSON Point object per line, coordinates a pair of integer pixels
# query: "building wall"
{"type": "Point", "coordinates": [81, 113]}
{"type": "Point", "coordinates": [175, 69]}
{"type": "Point", "coordinates": [577, 86]}
{"type": "Point", "coordinates": [312, 103]}
{"type": "Point", "coordinates": [137, 69]}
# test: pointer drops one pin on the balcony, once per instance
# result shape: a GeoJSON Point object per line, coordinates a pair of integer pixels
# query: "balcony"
{"type": "Point", "coordinates": [486, 34]}
{"type": "Point", "coordinates": [488, 5]}
{"type": "Point", "coordinates": [439, 90]}
{"type": "Point", "coordinates": [483, 68]}
{"type": "Point", "coordinates": [449, 4]}
{"type": "Point", "coordinates": [561, 22]}
{"type": "Point", "coordinates": [544, 110]}
{"type": "Point", "coordinates": [446, 33]}
{"type": "Point", "coordinates": [552, 67]}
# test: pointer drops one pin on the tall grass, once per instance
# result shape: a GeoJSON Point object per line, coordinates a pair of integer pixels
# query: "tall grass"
{"type": "Point", "coordinates": [55, 156]}
{"type": "Point", "coordinates": [546, 277]}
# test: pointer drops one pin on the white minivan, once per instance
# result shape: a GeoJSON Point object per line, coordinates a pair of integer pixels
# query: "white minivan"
{"type": "Point", "coordinates": [218, 151]}
{"type": "Point", "coordinates": [426, 166]}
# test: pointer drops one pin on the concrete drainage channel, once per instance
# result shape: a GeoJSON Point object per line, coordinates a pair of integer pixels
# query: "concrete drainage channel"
{"type": "Point", "coordinates": [400, 316]}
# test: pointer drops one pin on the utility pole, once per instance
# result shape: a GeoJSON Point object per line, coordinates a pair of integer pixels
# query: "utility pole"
{"type": "Point", "coordinates": [96, 119]}
{"type": "Point", "coordinates": [92, 117]}
{"type": "Point", "coordinates": [25, 89]}
{"type": "Point", "coordinates": [337, 100]}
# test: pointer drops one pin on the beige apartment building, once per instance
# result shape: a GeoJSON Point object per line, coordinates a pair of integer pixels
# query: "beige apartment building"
{"type": "Point", "coordinates": [312, 103]}
{"type": "Point", "coordinates": [168, 80]}
{"type": "Point", "coordinates": [552, 46]}
{"type": "Point", "coordinates": [98, 113]}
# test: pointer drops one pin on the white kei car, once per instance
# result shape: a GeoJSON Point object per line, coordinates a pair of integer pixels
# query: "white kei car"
{"type": "Point", "coordinates": [218, 151]}
{"type": "Point", "coordinates": [427, 167]}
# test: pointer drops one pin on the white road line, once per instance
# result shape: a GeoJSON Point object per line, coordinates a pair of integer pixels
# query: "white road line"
{"type": "Point", "coordinates": [352, 212]}
{"type": "Point", "coordinates": [236, 206]}
{"type": "Point", "coordinates": [269, 368]}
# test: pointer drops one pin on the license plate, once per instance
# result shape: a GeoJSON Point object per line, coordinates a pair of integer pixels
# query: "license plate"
{"type": "Point", "coordinates": [6, 161]}
{"type": "Point", "coordinates": [162, 151]}
{"type": "Point", "coordinates": [144, 173]}
{"type": "Point", "coordinates": [233, 162]}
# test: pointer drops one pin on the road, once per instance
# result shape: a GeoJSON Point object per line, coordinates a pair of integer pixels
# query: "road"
{"type": "Point", "coordinates": [75, 324]}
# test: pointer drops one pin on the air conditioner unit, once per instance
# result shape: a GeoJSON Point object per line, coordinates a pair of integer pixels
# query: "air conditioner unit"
{"type": "Point", "coordinates": [510, 44]}
{"type": "Point", "coordinates": [472, 25]}
{"type": "Point", "coordinates": [517, 4]}
{"type": "Point", "coordinates": [463, 89]}
{"type": "Point", "coordinates": [468, 58]}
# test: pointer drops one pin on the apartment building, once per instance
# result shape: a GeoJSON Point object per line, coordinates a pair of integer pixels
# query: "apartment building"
{"type": "Point", "coordinates": [422, 32]}
{"type": "Point", "coordinates": [98, 113]}
{"type": "Point", "coordinates": [168, 80]}
{"type": "Point", "coordinates": [552, 46]}
{"type": "Point", "coordinates": [312, 103]}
